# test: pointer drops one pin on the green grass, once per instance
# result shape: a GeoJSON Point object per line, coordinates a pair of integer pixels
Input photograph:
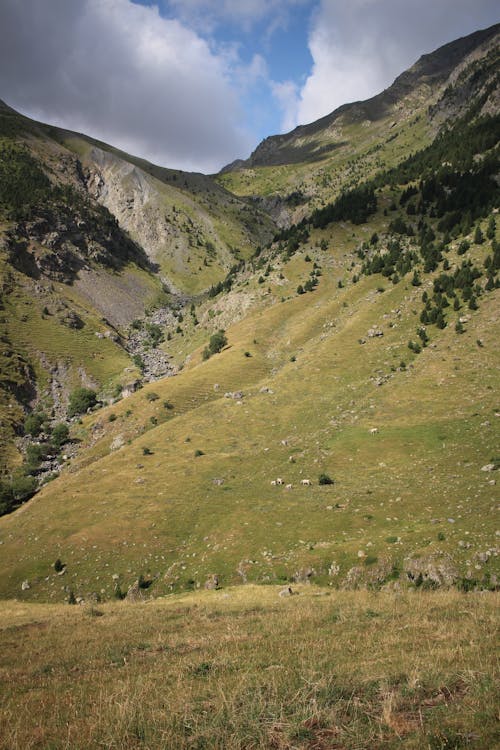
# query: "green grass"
{"type": "Point", "coordinates": [245, 668]}
{"type": "Point", "coordinates": [165, 514]}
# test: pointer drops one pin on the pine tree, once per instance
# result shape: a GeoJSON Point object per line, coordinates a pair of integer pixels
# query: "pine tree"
{"type": "Point", "coordinates": [478, 236]}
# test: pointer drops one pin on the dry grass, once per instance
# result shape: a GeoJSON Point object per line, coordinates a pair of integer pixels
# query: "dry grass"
{"type": "Point", "coordinates": [245, 668]}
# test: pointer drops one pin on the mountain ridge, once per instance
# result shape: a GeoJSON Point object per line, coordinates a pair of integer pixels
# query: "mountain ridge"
{"type": "Point", "coordinates": [432, 68]}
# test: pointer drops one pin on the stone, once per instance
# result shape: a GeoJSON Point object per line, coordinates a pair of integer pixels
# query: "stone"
{"type": "Point", "coordinates": [117, 443]}
{"type": "Point", "coordinates": [134, 593]}
{"type": "Point", "coordinates": [25, 586]}
{"type": "Point", "coordinates": [212, 582]}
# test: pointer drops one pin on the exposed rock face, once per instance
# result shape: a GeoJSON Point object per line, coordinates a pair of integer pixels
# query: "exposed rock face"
{"type": "Point", "coordinates": [63, 239]}
{"type": "Point", "coordinates": [438, 571]}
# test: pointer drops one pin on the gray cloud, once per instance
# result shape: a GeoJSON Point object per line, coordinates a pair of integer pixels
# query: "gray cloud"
{"type": "Point", "coordinates": [360, 46]}
{"type": "Point", "coordinates": [120, 72]}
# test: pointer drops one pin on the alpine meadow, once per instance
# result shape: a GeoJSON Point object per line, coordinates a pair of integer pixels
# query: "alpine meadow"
{"type": "Point", "coordinates": [250, 424]}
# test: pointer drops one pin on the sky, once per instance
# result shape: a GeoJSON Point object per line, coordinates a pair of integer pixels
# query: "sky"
{"type": "Point", "coordinates": [195, 84]}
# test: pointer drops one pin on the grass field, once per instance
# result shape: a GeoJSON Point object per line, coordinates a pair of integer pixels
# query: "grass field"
{"type": "Point", "coordinates": [245, 668]}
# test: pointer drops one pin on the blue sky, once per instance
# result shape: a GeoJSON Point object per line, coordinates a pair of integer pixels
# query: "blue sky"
{"type": "Point", "coordinates": [194, 84]}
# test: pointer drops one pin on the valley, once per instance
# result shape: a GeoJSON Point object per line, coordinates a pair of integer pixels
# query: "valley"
{"type": "Point", "coordinates": [257, 404]}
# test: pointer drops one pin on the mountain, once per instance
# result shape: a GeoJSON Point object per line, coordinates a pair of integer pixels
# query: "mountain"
{"type": "Point", "coordinates": [92, 239]}
{"type": "Point", "coordinates": [331, 414]}
{"type": "Point", "coordinates": [299, 170]}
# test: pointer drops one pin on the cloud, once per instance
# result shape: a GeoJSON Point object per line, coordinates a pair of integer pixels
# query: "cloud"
{"type": "Point", "coordinates": [122, 73]}
{"type": "Point", "coordinates": [206, 15]}
{"type": "Point", "coordinates": [287, 95]}
{"type": "Point", "coordinates": [359, 47]}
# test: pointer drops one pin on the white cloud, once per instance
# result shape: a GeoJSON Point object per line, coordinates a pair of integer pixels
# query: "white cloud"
{"type": "Point", "coordinates": [121, 72]}
{"type": "Point", "coordinates": [359, 47]}
{"type": "Point", "coordinates": [287, 96]}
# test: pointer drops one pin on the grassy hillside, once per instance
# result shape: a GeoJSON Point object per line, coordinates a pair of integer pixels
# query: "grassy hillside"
{"type": "Point", "coordinates": [409, 503]}
{"type": "Point", "coordinates": [347, 433]}
{"type": "Point", "coordinates": [246, 668]}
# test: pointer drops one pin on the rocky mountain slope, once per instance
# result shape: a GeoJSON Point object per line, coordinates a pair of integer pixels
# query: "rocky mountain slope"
{"type": "Point", "coordinates": [333, 415]}
{"type": "Point", "coordinates": [91, 240]}
{"type": "Point", "coordinates": [300, 170]}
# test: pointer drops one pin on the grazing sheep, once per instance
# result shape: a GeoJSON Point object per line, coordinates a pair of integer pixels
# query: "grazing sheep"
{"type": "Point", "coordinates": [288, 486]}
{"type": "Point", "coordinates": [374, 431]}
{"type": "Point", "coordinates": [273, 482]}
{"type": "Point", "coordinates": [279, 481]}
{"type": "Point", "coordinates": [306, 482]}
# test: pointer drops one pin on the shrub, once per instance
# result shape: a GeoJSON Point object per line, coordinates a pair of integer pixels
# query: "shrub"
{"type": "Point", "coordinates": [152, 396]}
{"type": "Point", "coordinates": [58, 565]}
{"type": "Point", "coordinates": [324, 479]}
{"type": "Point", "coordinates": [217, 342]}
{"type": "Point", "coordinates": [147, 452]}
{"type": "Point", "coordinates": [23, 487]}
{"type": "Point", "coordinates": [33, 423]}
{"type": "Point", "coordinates": [35, 454]}
{"type": "Point", "coordinates": [119, 594]}
{"type": "Point", "coordinates": [81, 400]}
{"type": "Point", "coordinates": [155, 333]}
{"type": "Point", "coordinates": [138, 362]}
{"type": "Point", "coordinates": [198, 453]}
{"type": "Point", "coordinates": [60, 434]}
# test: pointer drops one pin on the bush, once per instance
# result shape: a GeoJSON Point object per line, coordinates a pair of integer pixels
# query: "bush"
{"type": "Point", "coordinates": [138, 362]}
{"type": "Point", "coordinates": [217, 342]}
{"type": "Point", "coordinates": [325, 479]}
{"type": "Point", "coordinates": [33, 423]}
{"type": "Point", "coordinates": [81, 400]}
{"type": "Point", "coordinates": [198, 453]}
{"type": "Point", "coordinates": [23, 487]}
{"type": "Point", "coordinates": [152, 396]}
{"type": "Point", "coordinates": [60, 434]}
{"type": "Point", "coordinates": [35, 454]}
{"type": "Point", "coordinates": [58, 565]}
